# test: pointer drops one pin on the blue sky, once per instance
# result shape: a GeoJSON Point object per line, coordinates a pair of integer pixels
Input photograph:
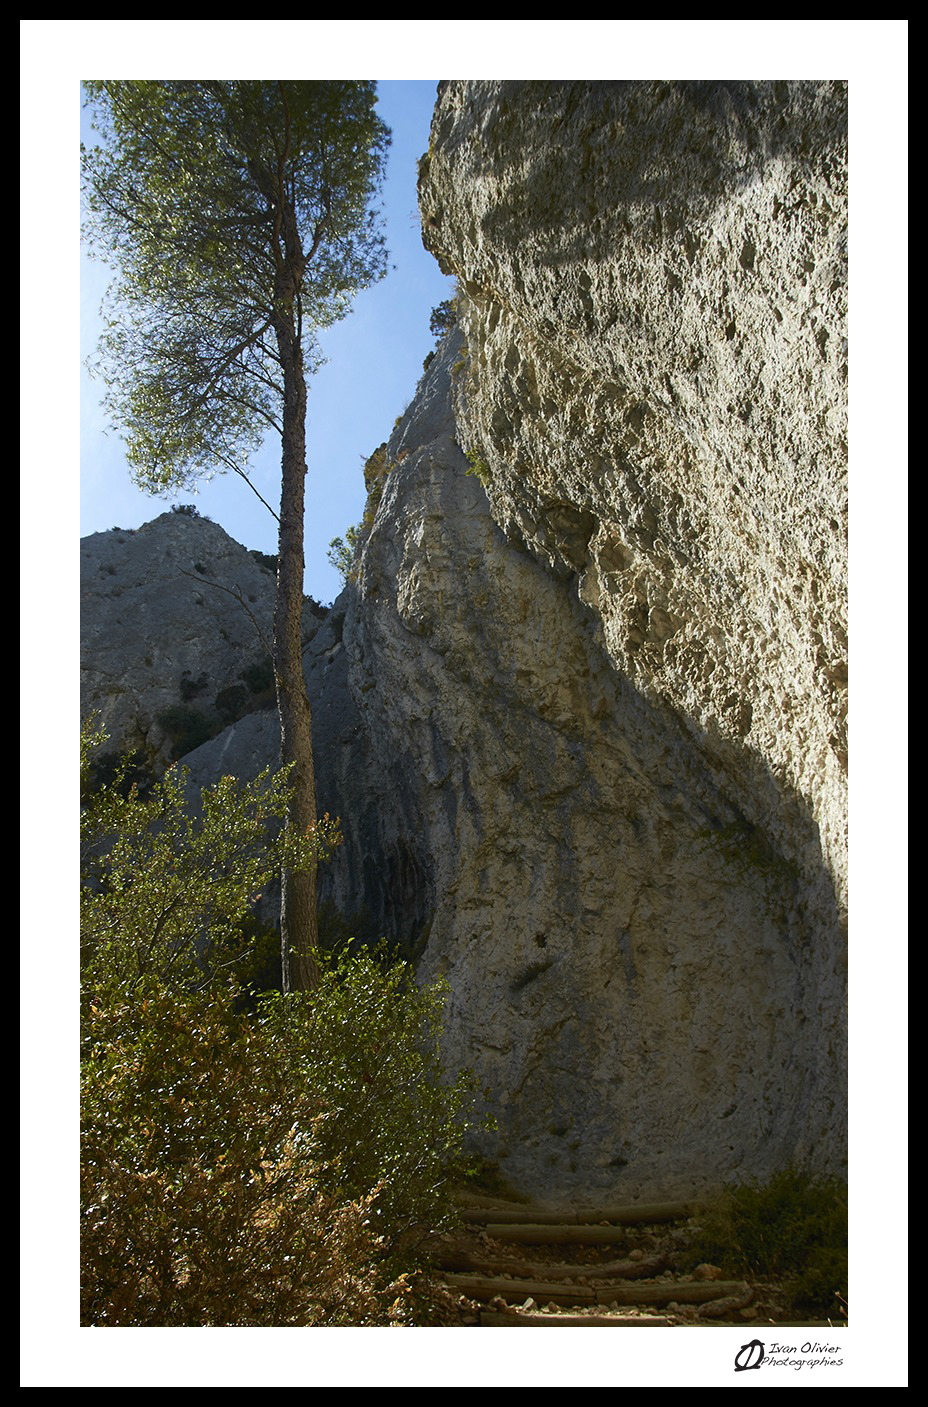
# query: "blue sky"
{"type": "Point", "coordinates": [374, 361]}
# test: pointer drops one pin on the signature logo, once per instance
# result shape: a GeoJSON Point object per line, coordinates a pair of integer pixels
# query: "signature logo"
{"type": "Point", "coordinates": [753, 1355]}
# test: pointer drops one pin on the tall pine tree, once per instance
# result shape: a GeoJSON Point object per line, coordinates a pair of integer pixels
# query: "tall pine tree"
{"type": "Point", "coordinates": [238, 218]}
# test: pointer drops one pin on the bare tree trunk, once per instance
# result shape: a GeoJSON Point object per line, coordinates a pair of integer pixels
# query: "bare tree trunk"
{"type": "Point", "coordinates": [298, 924]}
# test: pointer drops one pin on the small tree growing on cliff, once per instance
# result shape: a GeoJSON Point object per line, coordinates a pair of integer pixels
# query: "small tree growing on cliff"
{"type": "Point", "coordinates": [238, 218]}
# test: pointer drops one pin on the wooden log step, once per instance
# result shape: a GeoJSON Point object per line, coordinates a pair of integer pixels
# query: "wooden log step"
{"type": "Point", "coordinates": [635, 1214]}
{"type": "Point", "coordinates": [533, 1270]}
{"type": "Point", "coordinates": [669, 1292]}
{"type": "Point", "coordinates": [487, 1287]}
{"type": "Point", "coordinates": [544, 1234]}
{"type": "Point", "coordinates": [525, 1319]}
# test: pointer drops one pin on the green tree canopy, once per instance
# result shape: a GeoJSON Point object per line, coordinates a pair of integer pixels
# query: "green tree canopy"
{"type": "Point", "coordinates": [238, 220]}
{"type": "Point", "coordinates": [218, 205]}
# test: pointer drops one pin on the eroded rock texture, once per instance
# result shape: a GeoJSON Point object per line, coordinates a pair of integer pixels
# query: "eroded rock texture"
{"type": "Point", "coordinates": [654, 391]}
{"type": "Point", "coordinates": [642, 975]}
{"type": "Point", "coordinates": [582, 709]}
{"type": "Point", "coordinates": [175, 621]}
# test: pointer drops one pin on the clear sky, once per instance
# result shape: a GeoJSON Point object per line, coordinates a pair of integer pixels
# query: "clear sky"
{"type": "Point", "coordinates": [374, 361]}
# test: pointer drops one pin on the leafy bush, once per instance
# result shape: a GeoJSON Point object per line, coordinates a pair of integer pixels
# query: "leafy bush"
{"type": "Point", "coordinates": [478, 467]}
{"type": "Point", "coordinates": [443, 318]}
{"type": "Point", "coordinates": [133, 769]}
{"type": "Point", "coordinates": [259, 676]}
{"type": "Point", "coordinates": [368, 1041]}
{"type": "Point", "coordinates": [186, 727]}
{"type": "Point", "coordinates": [259, 966]}
{"type": "Point", "coordinates": [376, 467]}
{"type": "Point", "coordinates": [202, 1198]}
{"type": "Point", "coordinates": [342, 553]}
{"type": "Point", "coordinates": [232, 702]}
{"type": "Point", "coordinates": [265, 560]}
{"type": "Point", "coordinates": [190, 687]}
{"type": "Point", "coordinates": [793, 1227]}
{"type": "Point", "coordinates": [245, 1161]}
{"type": "Point", "coordinates": [165, 894]}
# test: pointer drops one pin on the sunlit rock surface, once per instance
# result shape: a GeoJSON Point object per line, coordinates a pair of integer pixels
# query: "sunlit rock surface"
{"type": "Point", "coordinates": [582, 709]}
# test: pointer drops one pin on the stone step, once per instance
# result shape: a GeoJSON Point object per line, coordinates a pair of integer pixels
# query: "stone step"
{"type": "Point", "coordinates": [454, 1258]}
{"type": "Point", "coordinates": [509, 1290]}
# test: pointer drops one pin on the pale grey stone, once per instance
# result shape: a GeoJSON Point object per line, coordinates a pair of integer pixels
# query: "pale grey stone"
{"type": "Point", "coordinates": [654, 312]}
{"type": "Point", "coordinates": [585, 726]}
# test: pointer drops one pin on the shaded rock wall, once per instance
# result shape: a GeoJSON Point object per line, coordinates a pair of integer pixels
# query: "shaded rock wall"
{"type": "Point", "coordinates": [160, 628]}
{"type": "Point", "coordinates": [637, 971]}
{"type": "Point", "coordinates": [584, 721]}
{"type": "Point", "coordinates": [654, 387]}
{"type": "Point", "coordinates": [655, 315]}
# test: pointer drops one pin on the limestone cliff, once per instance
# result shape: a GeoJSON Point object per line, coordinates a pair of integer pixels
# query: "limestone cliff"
{"type": "Point", "coordinates": [645, 978]}
{"type": "Point", "coordinates": [175, 620]}
{"type": "Point", "coordinates": [654, 299]}
{"type": "Point", "coordinates": [581, 711]}
{"type": "Point", "coordinates": [655, 307]}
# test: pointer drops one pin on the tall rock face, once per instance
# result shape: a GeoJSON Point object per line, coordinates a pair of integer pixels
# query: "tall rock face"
{"type": "Point", "coordinates": [176, 619]}
{"type": "Point", "coordinates": [653, 389]}
{"type": "Point", "coordinates": [656, 372]}
{"type": "Point", "coordinates": [581, 709]}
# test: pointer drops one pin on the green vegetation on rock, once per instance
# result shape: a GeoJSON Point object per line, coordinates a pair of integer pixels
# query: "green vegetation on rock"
{"type": "Point", "coordinates": [792, 1227]}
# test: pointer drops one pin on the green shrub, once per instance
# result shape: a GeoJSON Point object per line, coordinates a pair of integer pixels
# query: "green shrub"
{"type": "Point", "coordinates": [793, 1227]}
{"type": "Point", "coordinates": [478, 467]}
{"type": "Point", "coordinates": [232, 702]}
{"type": "Point", "coordinates": [244, 1161]}
{"type": "Point", "coordinates": [258, 966]}
{"type": "Point", "coordinates": [259, 676]}
{"type": "Point", "coordinates": [376, 467]}
{"type": "Point", "coordinates": [190, 687]}
{"type": "Point", "coordinates": [265, 560]}
{"type": "Point", "coordinates": [126, 769]}
{"type": "Point", "coordinates": [202, 1189]}
{"type": "Point", "coordinates": [443, 318]}
{"type": "Point", "coordinates": [164, 893]}
{"type": "Point", "coordinates": [186, 727]}
{"type": "Point", "coordinates": [368, 1042]}
{"type": "Point", "coordinates": [342, 553]}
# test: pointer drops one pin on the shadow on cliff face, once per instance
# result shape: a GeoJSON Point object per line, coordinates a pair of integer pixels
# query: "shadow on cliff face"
{"type": "Point", "coordinates": [638, 926]}
{"type": "Point", "coordinates": [576, 158]}
{"type": "Point", "coordinates": [639, 930]}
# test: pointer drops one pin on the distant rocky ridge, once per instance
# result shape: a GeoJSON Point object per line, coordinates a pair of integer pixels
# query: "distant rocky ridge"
{"type": "Point", "coordinates": [175, 623]}
{"type": "Point", "coordinates": [581, 711]}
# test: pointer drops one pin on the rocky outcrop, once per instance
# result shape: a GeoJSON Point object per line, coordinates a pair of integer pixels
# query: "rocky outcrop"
{"type": "Point", "coordinates": [581, 710]}
{"type": "Point", "coordinates": [646, 983]}
{"type": "Point", "coordinates": [644, 979]}
{"type": "Point", "coordinates": [175, 620]}
{"type": "Point", "coordinates": [653, 391]}
{"type": "Point", "coordinates": [655, 280]}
